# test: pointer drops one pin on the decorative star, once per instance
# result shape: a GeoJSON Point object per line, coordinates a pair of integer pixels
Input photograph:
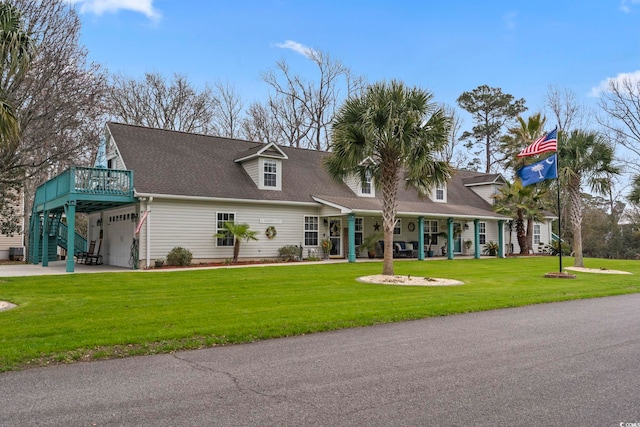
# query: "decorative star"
{"type": "Point", "coordinates": [376, 226]}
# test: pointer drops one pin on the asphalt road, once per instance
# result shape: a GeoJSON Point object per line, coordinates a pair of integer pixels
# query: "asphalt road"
{"type": "Point", "coordinates": [563, 364]}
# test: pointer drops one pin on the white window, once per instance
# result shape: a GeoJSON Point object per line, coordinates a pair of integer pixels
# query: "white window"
{"type": "Point", "coordinates": [366, 187]}
{"type": "Point", "coordinates": [397, 229]}
{"type": "Point", "coordinates": [482, 230]}
{"type": "Point", "coordinates": [440, 193]}
{"type": "Point", "coordinates": [222, 218]}
{"type": "Point", "coordinates": [431, 232]}
{"type": "Point", "coordinates": [270, 170]}
{"type": "Point", "coordinates": [536, 234]}
{"type": "Point", "coordinates": [311, 231]}
{"type": "Point", "coordinates": [359, 227]}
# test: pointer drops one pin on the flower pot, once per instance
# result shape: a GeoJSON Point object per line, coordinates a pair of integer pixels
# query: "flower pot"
{"type": "Point", "coordinates": [430, 254]}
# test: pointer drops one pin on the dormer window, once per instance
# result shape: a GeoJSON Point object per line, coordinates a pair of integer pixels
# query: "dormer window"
{"type": "Point", "coordinates": [440, 193]}
{"type": "Point", "coordinates": [270, 173]}
{"type": "Point", "coordinates": [367, 186]}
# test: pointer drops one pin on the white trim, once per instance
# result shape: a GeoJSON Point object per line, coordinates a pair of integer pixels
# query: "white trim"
{"type": "Point", "coordinates": [235, 220]}
{"type": "Point", "coordinates": [223, 199]}
{"type": "Point", "coordinates": [261, 172]}
{"type": "Point", "coordinates": [260, 152]}
{"type": "Point", "coordinates": [343, 210]}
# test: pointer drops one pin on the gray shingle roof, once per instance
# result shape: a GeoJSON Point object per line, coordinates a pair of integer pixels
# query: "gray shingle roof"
{"type": "Point", "coordinates": [184, 164]}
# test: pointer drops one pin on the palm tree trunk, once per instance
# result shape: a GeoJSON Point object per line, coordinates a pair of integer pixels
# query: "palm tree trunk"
{"type": "Point", "coordinates": [389, 190]}
{"type": "Point", "coordinates": [529, 235]}
{"type": "Point", "coordinates": [575, 217]}
{"type": "Point", "coordinates": [520, 233]}
{"type": "Point", "coordinates": [236, 249]}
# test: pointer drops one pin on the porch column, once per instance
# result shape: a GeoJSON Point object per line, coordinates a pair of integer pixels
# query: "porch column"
{"type": "Point", "coordinates": [352, 237]}
{"type": "Point", "coordinates": [476, 238]}
{"type": "Point", "coordinates": [70, 212]}
{"type": "Point", "coordinates": [36, 232]}
{"type": "Point", "coordinates": [500, 238]}
{"type": "Point", "coordinates": [45, 239]}
{"type": "Point", "coordinates": [421, 238]}
{"type": "Point", "coordinates": [450, 238]}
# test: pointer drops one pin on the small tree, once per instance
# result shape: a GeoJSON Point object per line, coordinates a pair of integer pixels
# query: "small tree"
{"type": "Point", "coordinates": [238, 232]}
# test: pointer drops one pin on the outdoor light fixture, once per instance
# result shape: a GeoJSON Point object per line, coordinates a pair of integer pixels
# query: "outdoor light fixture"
{"type": "Point", "coordinates": [99, 222]}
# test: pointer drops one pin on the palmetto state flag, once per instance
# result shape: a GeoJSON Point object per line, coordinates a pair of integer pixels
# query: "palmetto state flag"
{"type": "Point", "coordinates": [536, 172]}
{"type": "Point", "coordinates": [548, 142]}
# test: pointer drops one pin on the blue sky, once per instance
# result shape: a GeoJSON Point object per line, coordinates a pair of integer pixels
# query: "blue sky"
{"type": "Point", "coordinates": [446, 47]}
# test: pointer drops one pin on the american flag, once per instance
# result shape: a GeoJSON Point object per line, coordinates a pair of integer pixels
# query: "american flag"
{"type": "Point", "coordinates": [548, 142]}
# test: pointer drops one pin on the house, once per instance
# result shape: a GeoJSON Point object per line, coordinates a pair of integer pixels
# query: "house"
{"type": "Point", "coordinates": [12, 245]}
{"type": "Point", "coordinates": [178, 189]}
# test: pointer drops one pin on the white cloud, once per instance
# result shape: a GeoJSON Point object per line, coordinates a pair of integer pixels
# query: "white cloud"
{"type": "Point", "coordinates": [510, 20]}
{"type": "Point", "coordinates": [623, 79]}
{"type": "Point", "coordinates": [296, 47]}
{"type": "Point", "coordinates": [625, 5]}
{"type": "Point", "coordinates": [99, 7]}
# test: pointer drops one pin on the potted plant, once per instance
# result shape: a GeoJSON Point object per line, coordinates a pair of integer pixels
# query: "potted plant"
{"type": "Point", "coordinates": [467, 246]}
{"type": "Point", "coordinates": [429, 250]}
{"type": "Point", "coordinates": [370, 243]}
{"type": "Point", "coordinates": [159, 262]}
{"type": "Point", "coordinates": [326, 246]}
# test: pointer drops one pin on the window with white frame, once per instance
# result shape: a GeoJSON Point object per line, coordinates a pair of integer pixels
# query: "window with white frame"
{"type": "Point", "coordinates": [536, 234]}
{"type": "Point", "coordinates": [440, 193]}
{"type": "Point", "coordinates": [431, 232]}
{"type": "Point", "coordinates": [270, 170]}
{"type": "Point", "coordinates": [367, 184]}
{"type": "Point", "coordinates": [311, 225]}
{"type": "Point", "coordinates": [482, 231]}
{"type": "Point", "coordinates": [221, 219]}
{"type": "Point", "coordinates": [397, 229]}
{"type": "Point", "coordinates": [359, 228]}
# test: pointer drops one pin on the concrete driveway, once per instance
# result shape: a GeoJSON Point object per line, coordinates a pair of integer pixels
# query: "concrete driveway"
{"type": "Point", "coordinates": [564, 364]}
{"type": "Point", "coordinates": [54, 267]}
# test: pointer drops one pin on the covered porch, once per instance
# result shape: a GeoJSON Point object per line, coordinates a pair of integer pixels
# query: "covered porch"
{"type": "Point", "coordinates": [415, 236]}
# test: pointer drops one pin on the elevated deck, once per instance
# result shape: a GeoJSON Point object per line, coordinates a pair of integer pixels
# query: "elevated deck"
{"type": "Point", "coordinates": [78, 189]}
{"type": "Point", "coordinates": [89, 189]}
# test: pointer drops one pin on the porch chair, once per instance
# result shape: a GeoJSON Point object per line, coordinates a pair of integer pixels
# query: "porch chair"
{"type": "Point", "coordinates": [94, 258]}
{"type": "Point", "coordinates": [82, 256]}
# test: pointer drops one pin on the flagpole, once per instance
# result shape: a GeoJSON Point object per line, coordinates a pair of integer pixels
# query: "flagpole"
{"type": "Point", "coordinates": [559, 208]}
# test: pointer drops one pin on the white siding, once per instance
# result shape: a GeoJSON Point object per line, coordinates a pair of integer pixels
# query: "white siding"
{"type": "Point", "coordinates": [17, 240]}
{"type": "Point", "coordinates": [251, 167]}
{"type": "Point", "coordinates": [113, 155]}
{"type": "Point", "coordinates": [486, 192]}
{"type": "Point", "coordinates": [192, 225]}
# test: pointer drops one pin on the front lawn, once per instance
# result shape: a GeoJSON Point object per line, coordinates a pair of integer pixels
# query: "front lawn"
{"type": "Point", "coordinates": [91, 316]}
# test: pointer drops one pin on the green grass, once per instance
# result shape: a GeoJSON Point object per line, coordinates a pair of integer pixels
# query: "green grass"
{"type": "Point", "coordinates": [93, 316]}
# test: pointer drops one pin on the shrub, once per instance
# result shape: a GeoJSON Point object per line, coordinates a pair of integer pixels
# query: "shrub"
{"type": "Point", "coordinates": [491, 248]}
{"type": "Point", "coordinates": [289, 252]}
{"type": "Point", "coordinates": [179, 256]}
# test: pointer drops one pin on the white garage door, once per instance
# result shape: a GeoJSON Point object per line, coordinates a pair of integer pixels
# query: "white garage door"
{"type": "Point", "coordinates": [119, 235]}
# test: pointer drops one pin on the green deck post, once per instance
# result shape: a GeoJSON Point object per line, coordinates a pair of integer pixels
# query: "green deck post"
{"type": "Point", "coordinates": [476, 238]}
{"type": "Point", "coordinates": [352, 237]}
{"type": "Point", "coordinates": [45, 239]}
{"type": "Point", "coordinates": [36, 238]}
{"type": "Point", "coordinates": [70, 211]}
{"type": "Point", "coordinates": [421, 238]}
{"type": "Point", "coordinates": [450, 238]}
{"type": "Point", "coordinates": [500, 238]}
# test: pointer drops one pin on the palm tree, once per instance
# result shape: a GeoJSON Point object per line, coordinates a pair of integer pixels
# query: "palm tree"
{"type": "Point", "coordinates": [584, 158]}
{"type": "Point", "coordinates": [532, 202]}
{"type": "Point", "coordinates": [518, 137]}
{"type": "Point", "coordinates": [16, 50]}
{"type": "Point", "coordinates": [525, 205]}
{"type": "Point", "coordinates": [239, 232]}
{"type": "Point", "coordinates": [401, 131]}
